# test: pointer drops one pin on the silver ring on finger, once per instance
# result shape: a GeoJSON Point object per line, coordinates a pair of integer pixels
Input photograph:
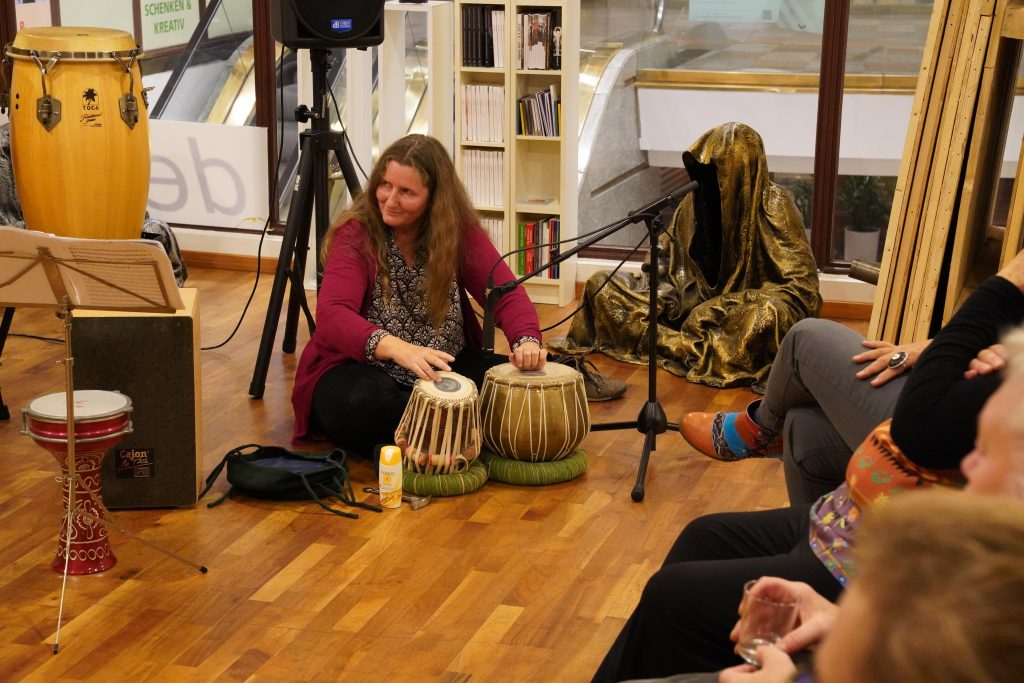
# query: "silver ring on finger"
{"type": "Point", "coordinates": [898, 360]}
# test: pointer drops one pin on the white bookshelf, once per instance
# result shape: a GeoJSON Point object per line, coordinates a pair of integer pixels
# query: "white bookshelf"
{"type": "Point", "coordinates": [533, 167]}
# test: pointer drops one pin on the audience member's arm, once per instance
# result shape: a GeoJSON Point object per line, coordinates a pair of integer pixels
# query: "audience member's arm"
{"type": "Point", "coordinates": [935, 417]}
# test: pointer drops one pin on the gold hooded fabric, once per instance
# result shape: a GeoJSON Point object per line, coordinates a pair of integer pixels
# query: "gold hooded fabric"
{"type": "Point", "coordinates": [736, 274]}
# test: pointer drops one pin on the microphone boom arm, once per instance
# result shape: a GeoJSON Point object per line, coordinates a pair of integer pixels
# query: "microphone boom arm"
{"type": "Point", "coordinates": [495, 293]}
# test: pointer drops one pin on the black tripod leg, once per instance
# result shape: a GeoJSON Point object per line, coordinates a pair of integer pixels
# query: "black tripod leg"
{"type": "Point", "coordinates": [5, 327]}
{"type": "Point", "coordinates": [652, 420]}
{"type": "Point", "coordinates": [348, 169]}
{"type": "Point", "coordinates": [296, 236]}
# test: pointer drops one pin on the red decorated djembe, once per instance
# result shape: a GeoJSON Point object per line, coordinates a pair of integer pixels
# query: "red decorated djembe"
{"type": "Point", "coordinates": [101, 419]}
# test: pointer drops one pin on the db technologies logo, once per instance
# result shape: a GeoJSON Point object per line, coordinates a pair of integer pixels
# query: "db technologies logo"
{"type": "Point", "coordinates": [341, 25]}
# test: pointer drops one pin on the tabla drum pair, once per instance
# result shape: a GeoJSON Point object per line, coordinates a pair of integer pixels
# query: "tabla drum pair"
{"type": "Point", "coordinates": [527, 417]}
{"type": "Point", "coordinates": [101, 419]}
{"type": "Point", "coordinates": [79, 131]}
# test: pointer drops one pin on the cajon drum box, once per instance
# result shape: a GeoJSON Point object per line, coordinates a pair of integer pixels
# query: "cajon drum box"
{"type": "Point", "coordinates": [153, 359]}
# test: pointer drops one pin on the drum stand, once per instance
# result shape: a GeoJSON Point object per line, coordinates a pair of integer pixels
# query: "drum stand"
{"type": "Point", "coordinates": [15, 266]}
{"type": "Point", "coordinates": [291, 263]}
{"type": "Point", "coordinates": [652, 420]}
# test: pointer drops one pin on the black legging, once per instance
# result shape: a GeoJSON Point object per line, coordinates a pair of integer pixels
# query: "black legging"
{"type": "Point", "coordinates": [688, 607]}
{"type": "Point", "coordinates": [358, 406]}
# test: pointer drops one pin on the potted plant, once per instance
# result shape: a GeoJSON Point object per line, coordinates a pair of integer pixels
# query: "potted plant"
{"type": "Point", "coordinates": [864, 204]}
{"type": "Point", "coordinates": [802, 190]}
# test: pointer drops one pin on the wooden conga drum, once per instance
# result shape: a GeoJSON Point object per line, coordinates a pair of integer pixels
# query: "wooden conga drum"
{"type": "Point", "coordinates": [79, 131]}
{"type": "Point", "coordinates": [101, 419]}
{"type": "Point", "coordinates": [534, 416]}
{"type": "Point", "coordinates": [439, 432]}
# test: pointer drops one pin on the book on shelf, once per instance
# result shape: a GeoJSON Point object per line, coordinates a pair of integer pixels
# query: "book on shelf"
{"type": "Point", "coordinates": [538, 113]}
{"type": "Point", "coordinates": [554, 249]}
{"type": "Point", "coordinates": [555, 53]}
{"type": "Point", "coordinates": [529, 242]}
{"type": "Point", "coordinates": [539, 40]}
{"type": "Point", "coordinates": [520, 243]}
{"type": "Point", "coordinates": [482, 35]}
{"type": "Point", "coordinates": [483, 111]}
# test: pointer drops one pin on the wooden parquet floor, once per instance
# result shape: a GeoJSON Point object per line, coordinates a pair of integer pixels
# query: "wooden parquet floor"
{"type": "Point", "coordinates": [505, 584]}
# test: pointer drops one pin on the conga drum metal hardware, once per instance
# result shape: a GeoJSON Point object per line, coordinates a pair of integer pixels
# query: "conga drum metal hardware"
{"type": "Point", "coordinates": [439, 432]}
{"type": "Point", "coordinates": [102, 418]}
{"type": "Point", "coordinates": [89, 175]}
{"type": "Point", "coordinates": [534, 416]}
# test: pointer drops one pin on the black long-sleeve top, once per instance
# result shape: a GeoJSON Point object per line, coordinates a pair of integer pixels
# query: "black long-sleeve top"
{"type": "Point", "coordinates": [935, 420]}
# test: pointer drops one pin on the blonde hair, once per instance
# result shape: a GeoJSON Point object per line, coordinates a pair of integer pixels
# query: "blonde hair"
{"type": "Point", "coordinates": [449, 214]}
{"type": "Point", "coordinates": [944, 574]}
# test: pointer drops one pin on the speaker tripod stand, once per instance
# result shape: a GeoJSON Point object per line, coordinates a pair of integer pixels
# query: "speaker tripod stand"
{"type": "Point", "coordinates": [311, 190]}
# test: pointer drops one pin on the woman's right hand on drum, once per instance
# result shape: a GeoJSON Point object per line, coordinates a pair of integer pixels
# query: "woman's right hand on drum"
{"type": "Point", "coordinates": [422, 360]}
{"type": "Point", "coordinates": [529, 356]}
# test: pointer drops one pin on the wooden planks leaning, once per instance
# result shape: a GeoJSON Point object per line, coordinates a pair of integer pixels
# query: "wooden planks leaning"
{"type": "Point", "coordinates": [953, 153]}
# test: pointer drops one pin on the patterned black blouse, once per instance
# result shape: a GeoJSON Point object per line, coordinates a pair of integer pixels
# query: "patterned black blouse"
{"type": "Point", "coordinates": [405, 315]}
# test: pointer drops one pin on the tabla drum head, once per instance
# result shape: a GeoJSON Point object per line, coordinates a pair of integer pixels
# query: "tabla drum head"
{"type": "Point", "coordinates": [452, 387]}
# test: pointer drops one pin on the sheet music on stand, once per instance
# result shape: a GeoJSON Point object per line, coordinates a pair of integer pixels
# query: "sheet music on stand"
{"type": "Point", "coordinates": [114, 275]}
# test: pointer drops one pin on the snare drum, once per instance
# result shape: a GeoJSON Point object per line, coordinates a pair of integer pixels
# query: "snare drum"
{"type": "Point", "coordinates": [534, 416]}
{"type": "Point", "coordinates": [79, 131]}
{"type": "Point", "coordinates": [440, 430]}
{"type": "Point", "coordinates": [102, 418]}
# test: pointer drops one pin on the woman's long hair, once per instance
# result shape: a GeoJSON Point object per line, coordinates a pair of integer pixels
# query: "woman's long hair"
{"type": "Point", "coordinates": [448, 214]}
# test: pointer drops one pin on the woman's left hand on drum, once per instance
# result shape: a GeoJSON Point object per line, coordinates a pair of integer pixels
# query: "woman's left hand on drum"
{"type": "Point", "coordinates": [422, 360]}
{"type": "Point", "coordinates": [529, 356]}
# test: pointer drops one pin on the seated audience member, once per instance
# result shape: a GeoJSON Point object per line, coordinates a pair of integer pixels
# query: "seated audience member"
{"type": "Point", "coordinates": [738, 274]}
{"type": "Point", "coordinates": [994, 469]}
{"type": "Point", "coordinates": [938, 598]}
{"type": "Point", "coordinates": [827, 389]}
{"type": "Point", "coordinates": [685, 613]}
{"type": "Point", "coordinates": [399, 268]}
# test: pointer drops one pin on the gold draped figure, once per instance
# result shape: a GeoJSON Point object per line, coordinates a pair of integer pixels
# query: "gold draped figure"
{"type": "Point", "coordinates": [736, 274]}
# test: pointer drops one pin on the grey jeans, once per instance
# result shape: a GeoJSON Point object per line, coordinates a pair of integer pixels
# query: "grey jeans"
{"type": "Point", "coordinates": [822, 410]}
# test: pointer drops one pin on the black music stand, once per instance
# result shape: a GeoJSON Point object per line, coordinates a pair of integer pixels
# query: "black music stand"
{"type": "Point", "coordinates": [651, 420]}
{"type": "Point", "coordinates": [291, 263]}
{"type": "Point", "coordinates": [38, 270]}
{"type": "Point", "coordinates": [5, 328]}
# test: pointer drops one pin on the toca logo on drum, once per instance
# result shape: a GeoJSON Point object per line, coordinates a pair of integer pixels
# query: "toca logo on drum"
{"type": "Point", "coordinates": [91, 110]}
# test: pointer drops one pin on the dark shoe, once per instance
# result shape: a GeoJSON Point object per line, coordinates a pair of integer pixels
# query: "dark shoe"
{"type": "Point", "coordinates": [597, 386]}
{"type": "Point", "coordinates": [730, 436]}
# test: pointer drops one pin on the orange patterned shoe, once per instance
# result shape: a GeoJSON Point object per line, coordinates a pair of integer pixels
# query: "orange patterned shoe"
{"type": "Point", "coordinates": [730, 436]}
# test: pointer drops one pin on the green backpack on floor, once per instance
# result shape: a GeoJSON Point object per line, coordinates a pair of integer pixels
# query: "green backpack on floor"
{"type": "Point", "coordinates": [279, 474]}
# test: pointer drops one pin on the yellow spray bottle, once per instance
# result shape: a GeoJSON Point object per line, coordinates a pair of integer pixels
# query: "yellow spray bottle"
{"type": "Point", "coordinates": [390, 477]}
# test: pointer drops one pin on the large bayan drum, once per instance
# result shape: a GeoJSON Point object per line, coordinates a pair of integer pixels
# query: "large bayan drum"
{"type": "Point", "coordinates": [440, 430]}
{"type": "Point", "coordinates": [79, 131]}
{"type": "Point", "coordinates": [534, 416]}
{"type": "Point", "coordinates": [101, 419]}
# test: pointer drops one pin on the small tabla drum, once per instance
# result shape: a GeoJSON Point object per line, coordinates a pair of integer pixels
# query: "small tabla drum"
{"type": "Point", "coordinates": [79, 131]}
{"type": "Point", "coordinates": [102, 418]}
{"type": "Point", "coordinates": [534, 416]}
{"type": "Point", "coordinates": [439, 433]}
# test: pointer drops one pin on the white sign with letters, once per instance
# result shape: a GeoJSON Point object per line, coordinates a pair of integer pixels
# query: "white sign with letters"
{"type": "Point", "coordinates": [208, 174]}
{"type": "Point", "coordinates": [168, 22]}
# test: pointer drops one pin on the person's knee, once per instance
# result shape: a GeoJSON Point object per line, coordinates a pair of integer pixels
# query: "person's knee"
{"type": "Point", "coordinates": [814, 333]}
{"type": "Point", "coordinates": [701, 533]}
